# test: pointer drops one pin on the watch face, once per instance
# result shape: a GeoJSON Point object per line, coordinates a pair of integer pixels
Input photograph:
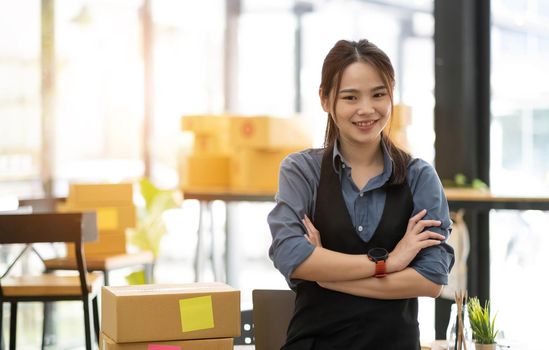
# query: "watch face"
{"type": "Point", "coordinates": [378, 254]}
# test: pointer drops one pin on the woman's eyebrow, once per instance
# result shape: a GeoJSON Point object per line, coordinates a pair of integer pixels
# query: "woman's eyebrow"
{"type": "Point", "coordinates": [353, 90]}
{"type": "Point", "coordinates": [350, 90]}
{"type": "Point", "coordinates": [378, 88]}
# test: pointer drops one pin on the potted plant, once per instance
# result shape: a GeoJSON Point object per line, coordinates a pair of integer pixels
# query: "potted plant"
{"type": "Point", "coordinates": [150, 225]}
{"type": "Point", "coordinates": [484, 332]}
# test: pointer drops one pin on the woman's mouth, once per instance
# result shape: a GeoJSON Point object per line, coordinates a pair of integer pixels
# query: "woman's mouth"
{"type": "Point", "coordinates": [365, 123]}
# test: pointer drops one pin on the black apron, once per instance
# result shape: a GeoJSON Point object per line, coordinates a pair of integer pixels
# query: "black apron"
{"type": "Point", "coordinates": [327, 320]}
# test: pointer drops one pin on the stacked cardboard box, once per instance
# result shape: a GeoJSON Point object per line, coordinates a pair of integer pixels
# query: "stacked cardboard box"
{"type": "Point", "coordinates": [260, 144]}
{"type": "Point", "coordinates": [115, 213]}
{"type": "Point", "coordinates": [197, 316]}
{"type": "Point", "coordinates": [401, 119]}
{"type": "Point", "coordinates": [208, 164]}
{"type": "Point", "coordinates": [238, 153]}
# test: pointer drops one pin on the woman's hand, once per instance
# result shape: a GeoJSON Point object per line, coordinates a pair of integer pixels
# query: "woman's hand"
{"type": "Point", "coordinates": [413, 241]}
{"type": "Point", "coordinates": [312, 235]}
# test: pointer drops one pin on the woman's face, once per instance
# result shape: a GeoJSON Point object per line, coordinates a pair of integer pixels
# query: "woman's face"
{"type": "Point", "coordinates": [363, 105]}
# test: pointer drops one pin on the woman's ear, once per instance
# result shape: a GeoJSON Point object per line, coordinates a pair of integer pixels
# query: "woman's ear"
{"type": "Point", "coordinates": [323, 101]}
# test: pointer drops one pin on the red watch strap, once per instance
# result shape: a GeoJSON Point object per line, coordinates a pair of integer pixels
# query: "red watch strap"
{"type": "Point", "coordinates": [380, 269]}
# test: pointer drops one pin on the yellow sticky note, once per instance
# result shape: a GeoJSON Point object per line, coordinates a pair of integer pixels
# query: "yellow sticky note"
{"type": "Point", "coordinates": [107, 218]}
{"type": "Point", "coordinates": [196, 313]}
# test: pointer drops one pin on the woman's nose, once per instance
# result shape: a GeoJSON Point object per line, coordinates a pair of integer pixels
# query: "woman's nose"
{"type": "Point", "coordinates": [365, 107]}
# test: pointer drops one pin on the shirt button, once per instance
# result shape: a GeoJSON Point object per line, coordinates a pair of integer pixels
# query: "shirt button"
{"type": "Point", "coordinates": [361, 194]}
{"type": "Point", "coordinates": [360, 229]}
{"type": "Point", "coordinates": [343, 166]}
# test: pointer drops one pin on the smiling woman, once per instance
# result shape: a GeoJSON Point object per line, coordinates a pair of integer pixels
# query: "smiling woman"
{"type": "Point", "coordinates": [339, 205]}
{"type": "Point", "coordinates": [362, 107]}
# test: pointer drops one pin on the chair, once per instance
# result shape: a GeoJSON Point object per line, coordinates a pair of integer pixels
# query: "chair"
{"type": "Point", "coordinates": [272, 311]}
{"type": "Point", "coordinates": [105, 263]}
{"type": "Point", "coordinates": [246, 329]}
{"type": "Point", "coordinates": [27, 229]}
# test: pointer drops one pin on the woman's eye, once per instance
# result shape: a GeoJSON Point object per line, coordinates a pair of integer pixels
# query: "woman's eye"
{"type": "Point", "coordinates": [350, 98]}
{"type": "Point", "coordinates": [380, 94]}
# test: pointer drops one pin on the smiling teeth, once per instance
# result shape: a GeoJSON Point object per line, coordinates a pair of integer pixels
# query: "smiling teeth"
{"type": "Point", "coordinates": [366, 123]}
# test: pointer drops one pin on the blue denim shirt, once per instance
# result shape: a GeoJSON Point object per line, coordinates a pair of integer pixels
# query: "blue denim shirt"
{"type": "Point", "coordinates": [298, 184]}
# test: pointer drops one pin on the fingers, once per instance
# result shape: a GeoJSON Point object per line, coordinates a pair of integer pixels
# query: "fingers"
{"type": "Point", "coordinates": [416, 224]}
{"type": "Point", "coordinates": [312, 235]}
{"type": "Point", "coordinates": [414, 219]}
{"type": "Point", "coordinates": [421, 225]}
{"type": "Point", "coordinates": [429, 243]}
{"type": "Point", "coordinates": [308, 225]}
{"type": "Point", "coordinates": [431, 235]}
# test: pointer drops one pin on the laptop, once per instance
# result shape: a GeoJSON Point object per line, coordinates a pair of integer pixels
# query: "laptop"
{"type": "Point", "coordinates": [272, 311]}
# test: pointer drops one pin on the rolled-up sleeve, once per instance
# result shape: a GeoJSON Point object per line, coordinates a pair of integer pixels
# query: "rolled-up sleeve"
{"type": "Point", "coordinates": [434, 263]}
{"type": "Point", "coordinates": [294, 199]}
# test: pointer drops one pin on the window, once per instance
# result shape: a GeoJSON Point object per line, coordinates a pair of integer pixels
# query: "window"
{"type": "Point", "coordinates": [20, 97]}
{"type": "Point", "coordinates": [519, 163]}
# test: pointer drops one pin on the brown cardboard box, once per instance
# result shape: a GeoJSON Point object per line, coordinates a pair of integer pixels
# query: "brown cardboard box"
{"type": "Point", "coordinates": [106, 194]}
{"type": "Point", "coordinates": [211, 144]}
{"type": "Point", "coordinates": [108, 242]}
{"type": "Point", "coordinates": [270, 133]}
{"type": "Point", "coordinates": [255, 170]}
{"type": "Point", "coordinates": [205, 171]}
{"type": "Point", "coordinates": [107, 343]}
{"type": "Point", "coordinates": [108, 217]}
{"type": "Point", "coordinates": [401, 118]}
{"type": "Point", "coordinates": [170, 312]}
{"type": "Point", "coordinates": [205, 124]}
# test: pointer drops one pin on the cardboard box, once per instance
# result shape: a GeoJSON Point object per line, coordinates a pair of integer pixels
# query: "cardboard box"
{"type": "Point", "coordinates": [205, 171]}
{"type": "Point", "coordinates": [206, 124]}
{"type": "Point", "coordinates": [270, 133]}
{"type": "Point", "coordinates": [108, 242]}
{"type": "Point", "coordinates": [107, 343]}
{"type": "Point", "coordinates": [211, 144]}
{"type": "Point", "coordinates": [108, 218]}
{"type": "Point", "coordinates": [106, 194]}
{"type": "Point", "coordinates": [256, 170]}
{"type": "Point", "coordinates": [170, 312]}
{"type": "Point", "coordinates": [402, 116]}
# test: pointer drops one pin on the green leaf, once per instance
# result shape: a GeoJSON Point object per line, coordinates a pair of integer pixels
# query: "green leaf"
{"type": "Point", "coordinates": [478, 184]}
{"type": "Point", "coordinates": [460, 179]}
{"type": "Point", "coordinates": [150, 226]}
{"type": "Point", "coordinates": [136, 277]}
{"type": "Point", "coordinates": [484, 331]}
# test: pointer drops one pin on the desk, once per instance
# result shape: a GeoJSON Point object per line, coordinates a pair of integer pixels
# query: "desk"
{"type": "Point", "coordinates": [479, 200]}
{"type": "Point", "coordinates": [458, 198]}
{"type": "Point", "coordinates": [478, 205]}
{"type": "Point", "coordinates": [206, 197]}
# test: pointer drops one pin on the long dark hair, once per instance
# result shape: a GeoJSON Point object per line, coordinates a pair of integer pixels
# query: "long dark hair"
{"type": "Point", "coordinates": [340, 57]}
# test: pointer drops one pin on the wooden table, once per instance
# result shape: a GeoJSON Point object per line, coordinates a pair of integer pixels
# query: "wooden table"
{"type": "Point", "coordinates": [206, 197]}
{"type": "Point", "coordinates": [484, 200]}
{"type": "Point", "coordinates": [458, 198]}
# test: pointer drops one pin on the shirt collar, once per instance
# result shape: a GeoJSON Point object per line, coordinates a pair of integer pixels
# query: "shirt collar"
{"type": "Point", "coordinates": [337, 159]}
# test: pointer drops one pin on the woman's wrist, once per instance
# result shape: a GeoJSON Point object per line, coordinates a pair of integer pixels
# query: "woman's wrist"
{"type": "Point", "coordinates": [392, 264]}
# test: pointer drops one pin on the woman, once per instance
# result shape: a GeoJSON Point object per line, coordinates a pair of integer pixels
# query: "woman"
{"type": "Point", "coordinates": [359, 227]}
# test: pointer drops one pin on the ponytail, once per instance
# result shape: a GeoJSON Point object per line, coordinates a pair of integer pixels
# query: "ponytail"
{"type": "Point", "coordinates": [400, 158]}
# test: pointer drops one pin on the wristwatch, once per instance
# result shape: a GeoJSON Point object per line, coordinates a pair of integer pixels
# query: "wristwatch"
{"type": "Point", "coordinates": [379, 256]}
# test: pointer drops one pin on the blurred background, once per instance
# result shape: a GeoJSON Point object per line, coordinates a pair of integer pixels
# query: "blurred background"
{"type": "Point", "coordinates": [94, 91]}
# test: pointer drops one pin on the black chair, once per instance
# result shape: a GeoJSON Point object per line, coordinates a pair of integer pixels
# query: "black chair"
{"type": "Point", "coordinates": [247, 336]}
{"type": "Point", "coordinates": [26, 229]}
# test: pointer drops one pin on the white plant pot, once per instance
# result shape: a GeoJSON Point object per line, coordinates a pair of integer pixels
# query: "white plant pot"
{"type": "Point", "coordinates": [485, 346]}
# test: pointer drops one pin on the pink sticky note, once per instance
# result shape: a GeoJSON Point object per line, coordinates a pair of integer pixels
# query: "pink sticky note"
{"type": "Point", "coordinates": [163, 347]}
